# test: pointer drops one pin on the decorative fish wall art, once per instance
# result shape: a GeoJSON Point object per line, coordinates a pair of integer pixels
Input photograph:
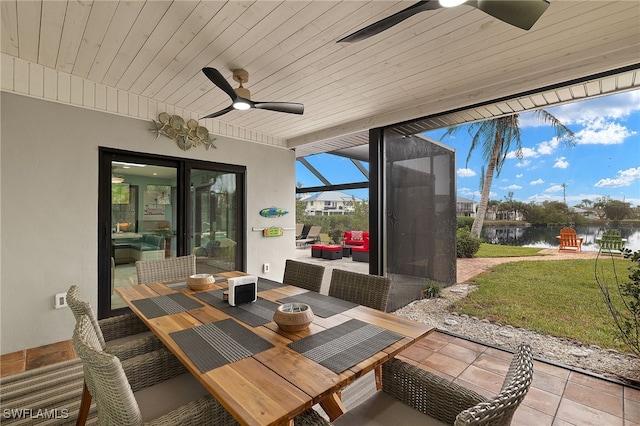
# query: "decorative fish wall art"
{"type": "Point", "coordinates": [272, 212]}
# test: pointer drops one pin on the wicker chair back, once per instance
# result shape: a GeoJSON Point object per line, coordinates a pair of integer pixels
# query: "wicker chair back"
{"type": "Point", "coordinates": [304, 275]}
{"type": "Point", "coordinates": [364, 289]}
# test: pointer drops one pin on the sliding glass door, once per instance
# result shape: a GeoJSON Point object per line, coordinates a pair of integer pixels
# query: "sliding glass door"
{"type": "Point", "coordinates": [154, 207]}
{"type": "Point", "coordinates": [215, 220]}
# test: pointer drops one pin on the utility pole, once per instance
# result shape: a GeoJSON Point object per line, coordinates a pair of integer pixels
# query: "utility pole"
{"type": "Point", "coordinates": [564, 192]}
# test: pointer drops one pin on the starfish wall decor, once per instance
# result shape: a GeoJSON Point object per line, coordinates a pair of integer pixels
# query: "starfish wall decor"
{"type": "Point", "coordinates": [187, 135]}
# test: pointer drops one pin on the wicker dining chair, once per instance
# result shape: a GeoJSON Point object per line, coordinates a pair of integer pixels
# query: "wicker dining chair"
{"type": "Point", "coordinates": [364, 289]}
{"type": "Point", "coordinates": [304, 275]}
{"type": "Point", "coordinates": [413, 395]}
{"type": "Point", "coordinates": [175, 399]}
{"type": "Point", "coordinates": [150, 271]}
{"type": "Point", "coordinates": [124, 336]}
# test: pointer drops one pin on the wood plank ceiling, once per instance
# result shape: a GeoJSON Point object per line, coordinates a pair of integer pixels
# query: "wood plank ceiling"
{"type": "Point", "coordinates": [434, 62]}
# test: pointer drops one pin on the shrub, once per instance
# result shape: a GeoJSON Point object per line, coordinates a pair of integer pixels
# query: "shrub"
{"type": "Point", "coordinates": [466, 244]}
{"type": "Point", "coordinates": [464, 222]}
{"type": "Point", "coordinates": [627, 318]}
{"type": "Point", "coordinates": [431, 290]}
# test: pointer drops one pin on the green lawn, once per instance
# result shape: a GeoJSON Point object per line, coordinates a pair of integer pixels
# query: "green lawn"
{"type": "Point", "coordinates": [553, 297]}
{"type": "Point", "coordinates": [496, 250]}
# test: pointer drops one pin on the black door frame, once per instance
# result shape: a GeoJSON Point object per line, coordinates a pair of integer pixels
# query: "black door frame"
{"type": "Point", "coordinates": [183, 221]}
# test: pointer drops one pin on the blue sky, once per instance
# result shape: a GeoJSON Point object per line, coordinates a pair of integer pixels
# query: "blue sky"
{"type": "Point", "coordinates": [605, 160]}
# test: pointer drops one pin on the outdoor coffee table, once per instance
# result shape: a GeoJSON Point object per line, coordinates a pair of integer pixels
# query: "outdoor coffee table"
{"type": "Point", "coordinates": [262, 388]}
{"type": "Point", "coordinates": [346, 250]}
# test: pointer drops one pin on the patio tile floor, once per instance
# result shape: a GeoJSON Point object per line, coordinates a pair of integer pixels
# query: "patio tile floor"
{"type": "Point", "coordinates": [557, 397]}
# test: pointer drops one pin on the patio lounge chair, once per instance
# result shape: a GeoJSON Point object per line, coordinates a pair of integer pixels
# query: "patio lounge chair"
{"type": "Point", "coordinates": [312, 236]}
{"type": "Point", "coordinates": [569, 241]}
{"type": "Point", "coordinates": [304, 275]}
{"type": "Point", "coordinates": [412, 395]}
{"type": "Point", "coordinates": [611, 242]}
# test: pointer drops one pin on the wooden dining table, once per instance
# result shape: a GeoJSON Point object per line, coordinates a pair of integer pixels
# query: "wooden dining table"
{"type": "Point", "coordinates": [274, 385]}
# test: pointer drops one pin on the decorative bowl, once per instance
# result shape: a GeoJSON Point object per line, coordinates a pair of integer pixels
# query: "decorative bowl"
{"type": "Point", "coordinates": [199, 282]}
{"type": "Point", "coordinates": [293, 316]}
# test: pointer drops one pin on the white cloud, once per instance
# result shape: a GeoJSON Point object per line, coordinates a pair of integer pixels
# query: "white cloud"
{"type": "Point", "coordinates": [468, 193]}
{"type": "Point", "coordinates": [519, 175]}
{"type": "Point", "coordinates": [548, 147]}
{"type": "Point", "coordinates": [624, 178]}
{"type": "Point", "coordinates": [536, 182]}
{"type": "Point", "coordinates": [523, 163]}
{"type": "Point", "coordinates": [612, 107]}
{"type": "Point", "coordinates": [510, 187]}
{"type": "Point", "coordinates": [526, 153]}
{"type": "Point", "coordinates": [465, 173]}
{"type": "Point", "coordinates": [598, 131]}
{"type": "Point", "coordinates": [561, 163]}
{"type": "Point", "coordinates": [553, 188]}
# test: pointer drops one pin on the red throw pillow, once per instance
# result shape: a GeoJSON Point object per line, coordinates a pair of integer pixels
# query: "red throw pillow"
{"type": "Point", "coordinates": [356, 235]}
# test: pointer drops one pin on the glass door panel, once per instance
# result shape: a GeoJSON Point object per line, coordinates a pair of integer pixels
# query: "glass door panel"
{"type": "Point", "coordinates": [214, 229]}
{"type": "Point", "coordinates": [143, 219]}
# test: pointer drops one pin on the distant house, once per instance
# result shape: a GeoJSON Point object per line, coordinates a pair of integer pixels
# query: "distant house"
{"type": "Point", "coordinates": [329, 203]}
{"type": "Point", "coordinates": [466, 207]}
{"type": "Point", "coordinates": [586, 213]}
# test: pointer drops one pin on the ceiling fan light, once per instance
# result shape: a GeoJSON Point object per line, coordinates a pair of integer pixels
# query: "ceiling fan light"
{"type": "Point", "coordinates": [451, 3]}
{"type": "Point", "coordinates": [241, 104]}
{"type": "Point", "coordinates": [117, 179]}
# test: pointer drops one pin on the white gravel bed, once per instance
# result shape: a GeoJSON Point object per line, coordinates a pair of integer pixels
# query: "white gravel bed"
{"type": "Point", "coordinates": [608, 363]}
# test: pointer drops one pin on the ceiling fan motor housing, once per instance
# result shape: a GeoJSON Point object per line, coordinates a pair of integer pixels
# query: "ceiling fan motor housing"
{"type": "Point", "coordinates": [241, 76]}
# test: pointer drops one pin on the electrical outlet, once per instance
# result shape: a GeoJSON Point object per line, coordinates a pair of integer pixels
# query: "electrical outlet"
{"type": "Point", "coordinates": [60, 301]}
{"type": "Point", "coordinates": [265, 267]}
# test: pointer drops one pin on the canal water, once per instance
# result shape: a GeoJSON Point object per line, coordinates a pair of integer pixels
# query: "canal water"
{"type": "Point", "coordinates": [545, 236]}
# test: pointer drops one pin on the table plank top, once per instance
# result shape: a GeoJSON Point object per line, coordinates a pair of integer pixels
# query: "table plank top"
{"type": "Point", "coordinates": [273, 386]}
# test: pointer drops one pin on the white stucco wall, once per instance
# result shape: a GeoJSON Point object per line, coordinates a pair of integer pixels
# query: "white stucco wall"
{"type": "Point", "coordinates": [49, 207]}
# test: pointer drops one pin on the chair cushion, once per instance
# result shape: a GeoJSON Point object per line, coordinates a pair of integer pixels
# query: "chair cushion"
{"type": "Point", "coordinates": [382, 410]}
{"type": "Point", "coordinates": [158, 400]}
{"type": "Point", "coordinates": [127, 339]}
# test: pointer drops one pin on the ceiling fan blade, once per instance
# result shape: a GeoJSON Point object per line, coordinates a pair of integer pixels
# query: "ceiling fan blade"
{"type": "Point", "coordinates": [217, 79]}
{"type": "Point", "coordinates": [519, 13]}
{"type": "Point", "coordinates": [390, 21]}
{"type": "Point", "coordinates": [290, 107]}
{"type": "Point", "coordinates": [219, 113]}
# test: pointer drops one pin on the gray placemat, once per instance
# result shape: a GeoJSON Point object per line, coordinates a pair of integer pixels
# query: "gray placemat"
{"type": "Point", "coordinates": [255, 314]}
{"type": "Point", "coordinates": [177, 284]}
{"type": "Point", "coordinates": [215, 344]}
{"type": "Point", "coordinates": [321, 305]}
{"type": "Point", "coordinates": [265, 284]}
{"type": "Point", "coordinates": [158, 306]}
{"type": "Point", "coordinates": [343, 346]}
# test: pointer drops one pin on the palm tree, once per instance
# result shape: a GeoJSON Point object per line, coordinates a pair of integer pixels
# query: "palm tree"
{"type": "Point", "coordinates": [496, 137]}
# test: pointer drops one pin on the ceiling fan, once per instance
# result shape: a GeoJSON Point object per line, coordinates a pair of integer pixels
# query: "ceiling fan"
{"type": "Point", "coordinates": [519, 13]}
{"type": "Point", "coordinates": [241, 97]}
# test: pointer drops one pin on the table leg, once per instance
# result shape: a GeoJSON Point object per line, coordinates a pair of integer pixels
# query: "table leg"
{"type": "Point", "coordinates": [333, 406]}
{"type": "Point", "coordinates": [378, 374]}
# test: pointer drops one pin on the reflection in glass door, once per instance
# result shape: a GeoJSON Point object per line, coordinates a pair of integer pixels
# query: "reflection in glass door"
{"type": "Point", "coordinates": [214, 236]}
{"type": "Point", "coordinates": [143, 219]}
